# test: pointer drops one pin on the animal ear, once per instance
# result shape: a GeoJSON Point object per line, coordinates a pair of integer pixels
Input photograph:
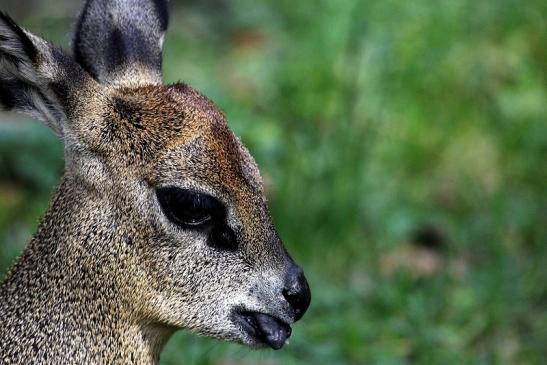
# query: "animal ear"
{"type": "Point", "coordinates": [37, 78]}
{"type": "Point", "coordinates": [119, 42]}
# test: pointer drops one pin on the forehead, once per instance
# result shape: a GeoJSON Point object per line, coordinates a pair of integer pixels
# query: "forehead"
{"type": "Point", "coordinates": [176, 133]}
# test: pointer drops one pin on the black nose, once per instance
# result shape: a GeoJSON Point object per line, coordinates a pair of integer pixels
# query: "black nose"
{"type": "Point", "coordinates": [297, 291]}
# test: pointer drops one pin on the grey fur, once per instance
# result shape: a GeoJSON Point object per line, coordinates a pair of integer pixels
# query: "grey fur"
{"type": "Point", "coordinates": [108, 278]}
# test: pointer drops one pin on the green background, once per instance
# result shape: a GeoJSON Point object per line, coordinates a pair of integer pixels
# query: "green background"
{"type": "Point", "coordinates": [404, 146]}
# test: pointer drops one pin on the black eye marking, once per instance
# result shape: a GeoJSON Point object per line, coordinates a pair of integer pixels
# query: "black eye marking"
{"type": "Point", "coordinates": [190, 209]}
{"type": "Point", "coordinates": [223, 237]}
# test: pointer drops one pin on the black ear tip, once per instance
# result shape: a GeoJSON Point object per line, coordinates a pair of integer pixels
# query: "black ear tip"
{"type": "Point", "coordinates": [5, 18]}
{"type": "Point", "coordinates": [15, 31]}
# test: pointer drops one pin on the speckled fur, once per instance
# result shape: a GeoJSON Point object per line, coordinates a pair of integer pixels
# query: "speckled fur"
{"type": "Point", "coordinates": [107, 278]}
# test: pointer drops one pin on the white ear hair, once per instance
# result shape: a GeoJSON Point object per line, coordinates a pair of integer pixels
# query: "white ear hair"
{"type": "Point", "coordinates": [31, 70]}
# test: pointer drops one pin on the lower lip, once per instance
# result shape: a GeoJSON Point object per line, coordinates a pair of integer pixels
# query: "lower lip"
{"type": "Point", "coordinates": [253, 332]}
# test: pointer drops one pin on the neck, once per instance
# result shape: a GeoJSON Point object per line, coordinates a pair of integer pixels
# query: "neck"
{"type": "Point", "coordinates": [64, 299]}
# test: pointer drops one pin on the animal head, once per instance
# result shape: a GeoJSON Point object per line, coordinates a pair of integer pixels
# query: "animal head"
{"type": "Point", "coordinates": [163, 167]}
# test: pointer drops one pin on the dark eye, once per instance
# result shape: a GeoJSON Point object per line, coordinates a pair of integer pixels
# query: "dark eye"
{"type": "Point", "coordinates": [189, 208]}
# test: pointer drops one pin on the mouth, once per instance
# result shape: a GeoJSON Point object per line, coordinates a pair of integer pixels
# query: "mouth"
{"type": "Point", "coordinates": [263, 329]}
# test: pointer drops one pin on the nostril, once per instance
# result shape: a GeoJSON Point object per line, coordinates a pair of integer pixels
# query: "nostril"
{"type": "Point", "coordinates": [297, 293]}
{"type": "Point", "coordinates": [294, 301]}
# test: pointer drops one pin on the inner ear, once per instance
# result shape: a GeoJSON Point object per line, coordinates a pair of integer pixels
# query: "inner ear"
{"type": "Point", "coordinates": [120, 46]}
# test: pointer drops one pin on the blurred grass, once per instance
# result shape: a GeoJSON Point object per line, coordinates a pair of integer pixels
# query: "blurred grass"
{"type": "Point", "coordinates": [404, 146]}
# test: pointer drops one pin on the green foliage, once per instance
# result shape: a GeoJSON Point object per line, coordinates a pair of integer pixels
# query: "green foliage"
{"type": "Point", "coordinates": [372, 121]}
